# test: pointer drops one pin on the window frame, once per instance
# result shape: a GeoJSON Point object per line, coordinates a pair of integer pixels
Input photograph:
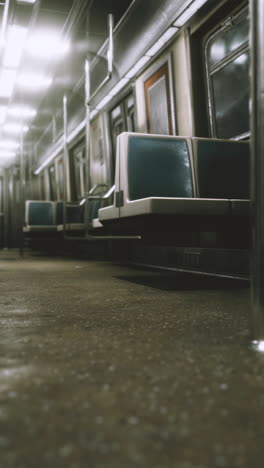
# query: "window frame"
{"type": "Point", "coordinates": [77, 170]}
{"type": "Point", "coordinates": [123, 117]}
{"type": "Point", "coordinates": [153, 69]}
{"type": "Point", "coordinates": [231, 20]}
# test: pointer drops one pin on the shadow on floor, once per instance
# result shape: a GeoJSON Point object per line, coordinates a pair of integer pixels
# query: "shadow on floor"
{"type": "Point", "coordinates": [184, 282]}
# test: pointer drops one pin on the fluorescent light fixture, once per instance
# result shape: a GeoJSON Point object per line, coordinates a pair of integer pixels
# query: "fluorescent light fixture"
{"type": "Point", "coordinates": [9, 144]}
{"type": "Point", "coordinates": [93, 114]}
{"type": "Point", "coordinates": [31, 2]}
{"type": "Point", "coordinates": [3, 110]}
{"type": "Point", "coordinates": [33, 81]}
{"type": "Point", "coordinates": [50, 158]}
{"type": "Point", "coordinates": [76, 131]}
{"type": "Point", "coordinates": [121, 84]}
{"type": "Point", "coordinates": [162, 41]}
{"type": "Point", "coordinates": [241, 59]}
{"type": "Point", "coordinates": [7, 154]}
{"type": "Point", "coordinates": [7, 82]}
{"type": "Point", "coordinates": [22, 112]}
{"type": "Point", "coordinates": [188, 12]}
{"type": "Point", "coordinates": [14, 128]}
{"type": "Point", "coordinates": [14, 47]}
{"type": "Point", "coordinates": [140, 64]}
{"type": "Point", "coordinates": [104, 101]}
{"type": "Point", "coordinates": [47, 45]}
{"type": "Point", "coordinates": [60, 146]}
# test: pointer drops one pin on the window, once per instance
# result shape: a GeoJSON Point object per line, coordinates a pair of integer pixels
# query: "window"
{"type": "Point", "coordinates": [158, 102]}
{"type": "Point", "coordinates": [227, 67]}
{"type": "Point", "coordinates": [60, 178]}
{"type": "Point", "coordinates": [122, 119]}
{"type": "Point", "coordinates": [78, 159]}
{"type": "Point", "coordinates": [52, 183]}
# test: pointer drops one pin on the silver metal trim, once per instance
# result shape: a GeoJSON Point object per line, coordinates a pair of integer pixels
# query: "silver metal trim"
{"type": "Point", "coordinates": [237, 17]}
{"type": "Point", "coordinates": [110, 59]}
{"type": "Point", "coordinates": [257, 169]}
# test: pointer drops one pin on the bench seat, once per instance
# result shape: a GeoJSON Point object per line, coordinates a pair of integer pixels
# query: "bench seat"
{"type": "Point", "coordinates": [40, 228]}
{"type": "Point", "coordinates": [176, 206]}
{"type": "Point", "coordinates": [179, 176]}
{"type": "Point", "coordinates": [39, 216]}
{"type": "Point", "coordinates": [71, 227]}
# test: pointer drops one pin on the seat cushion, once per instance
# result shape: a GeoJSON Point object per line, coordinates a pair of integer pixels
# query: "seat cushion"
{"type": "Point", "coordinates": [158, 167]}
{"type": "Point", "coordinates": [40, 213]}
{"type": "Point", "coordinates": [222, 168]}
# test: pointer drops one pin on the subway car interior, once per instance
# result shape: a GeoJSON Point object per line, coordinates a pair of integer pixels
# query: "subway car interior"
{"type": "Point", "coordinates": [131, 233]}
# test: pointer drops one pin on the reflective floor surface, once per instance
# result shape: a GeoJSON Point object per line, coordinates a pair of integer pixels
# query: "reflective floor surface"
{"type": "Point", "coordinates": [104, 366]}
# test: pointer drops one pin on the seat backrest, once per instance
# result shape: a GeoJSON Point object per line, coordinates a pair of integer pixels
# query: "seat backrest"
{"type": "Point", "coordinates": [74, 214]}
{"type": "Point", "coordinates": [59, 213]}
{"type": "Point", "coordinates": [222, 168]}
{"type": "Point", "coordinates": [39, 213]}
{"type": "Point", "coordinates": [158, 166]}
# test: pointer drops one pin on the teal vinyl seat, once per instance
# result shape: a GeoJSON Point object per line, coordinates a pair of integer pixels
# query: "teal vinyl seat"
{"type": "Point", "coordinates": [74, 217]}
{"type": "Point", "coordinates": [222, 170]}
{"type": "Point", "coordinates": [155, 175]}
{"type": "Point", "coordinates": [59, 213]}
{"type": "Point", "coordinates": [39, 216]}
{"type": "Point", "coordinates": [158, 167]}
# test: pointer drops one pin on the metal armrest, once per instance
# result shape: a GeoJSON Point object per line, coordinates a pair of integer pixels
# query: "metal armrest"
{"type": "Point", "coordinates": [102, 197]}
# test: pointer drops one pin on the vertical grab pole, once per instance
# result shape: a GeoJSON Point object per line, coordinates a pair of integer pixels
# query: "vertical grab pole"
{"type": "Point", "coordinates": [22, 166]}
{"type": "Point", "coordinates": [110, 52]}
{"type": "Point", "coordinates": [257, 171]}
{"type": "Point", "coordinates": [88, 98]}
{"type": "Point", "coordinates": [4, 23]}
{"type": "Point", "coordinates": [65, 159]}
{"type": "Point", "coordinates": [22, 190]}
{"type": "Point", "coordinates": [87, 144]}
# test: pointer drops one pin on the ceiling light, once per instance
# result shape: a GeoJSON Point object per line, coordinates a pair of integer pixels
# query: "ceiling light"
{"type": "Point", "coordinates": [7, 154]}
{"type": "Point", "coordinates": [33, 81]}
{"type": "Point", "coordinates": [133, 71]}
{"type": "Point", "coordinates": [7, 82]}
{"type": "Point", "coordinates": [162, 41]}
{"type": "Point", "coordinates": [9, 144]}
{"type": "Point", "coordinates": [31, 2]}
{"type": "Point", "coordinates": [2, 114]}
{"type": "Point", "coordinates": [14, 47]}
{"type": "Point", "coordinates": [49, 159]}
{"type": "Point", "coordinates": [188, 12]}
{"type": "Point", "coordinates": [22, 112]}
{"type": "Point", "coordinates": [41, 44]}
{"type": "Point", "coordinates": [14, 128]}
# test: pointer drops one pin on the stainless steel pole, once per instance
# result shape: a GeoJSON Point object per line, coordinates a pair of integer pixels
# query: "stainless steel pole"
{"type": "Point", "coordinates": [257, 171]}
{"type": "Point", "coordinates": [87, 145]}
{"type": "Point", "coordinates": [65, 158]}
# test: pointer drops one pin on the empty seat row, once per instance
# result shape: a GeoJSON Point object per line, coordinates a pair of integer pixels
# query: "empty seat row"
{"type": "Point", "coordinates": [47, 216]}
{"type": "Point", "coordinates": [169, 175]}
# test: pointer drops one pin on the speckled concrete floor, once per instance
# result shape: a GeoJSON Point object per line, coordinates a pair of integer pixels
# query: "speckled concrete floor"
{"type": "Point", "coordinates": [104, 366]}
